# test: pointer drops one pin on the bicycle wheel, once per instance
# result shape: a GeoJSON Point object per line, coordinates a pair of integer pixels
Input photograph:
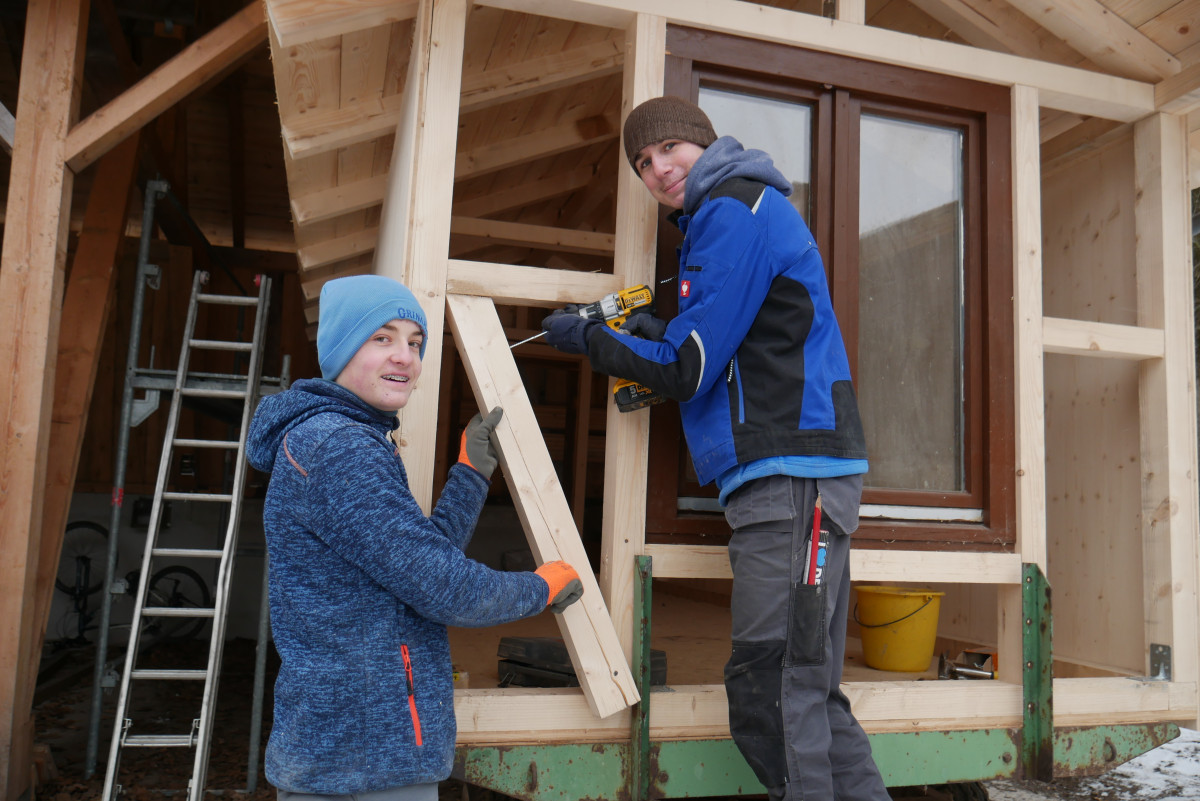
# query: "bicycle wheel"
{"type": "Point", "coordinates": [177, 586]}
{"type": "Point", "coordinates": [84, 550]}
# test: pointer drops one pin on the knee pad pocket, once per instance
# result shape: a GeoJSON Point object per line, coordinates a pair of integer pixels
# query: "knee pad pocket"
{"type": "Point", "coordinates": [753, 684]}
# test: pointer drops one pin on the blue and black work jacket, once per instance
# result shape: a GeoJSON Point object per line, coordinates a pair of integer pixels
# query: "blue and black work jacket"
{"type": "Point", "coordinates": [755, 356]}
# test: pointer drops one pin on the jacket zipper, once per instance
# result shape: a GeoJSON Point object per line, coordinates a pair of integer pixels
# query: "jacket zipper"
{"type": "Point", "coordinates": [412, 696]}
{"type": "Point", "coordinates": [733, 370]}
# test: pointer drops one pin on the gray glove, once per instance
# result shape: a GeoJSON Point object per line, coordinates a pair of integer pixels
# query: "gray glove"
{"type": "Point", "coordinates": [476, 450]}
{"type": "Point", "coordinates": [646, 326]}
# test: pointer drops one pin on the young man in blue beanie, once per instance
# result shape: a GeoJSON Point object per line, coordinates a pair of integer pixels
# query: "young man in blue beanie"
{"type": "Point", "coordinates": [362, 583]}
{"type": "Point", "coordinates": [756, 360]}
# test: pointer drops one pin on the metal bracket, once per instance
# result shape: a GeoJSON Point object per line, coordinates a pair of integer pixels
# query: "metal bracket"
{"type": "Point", "coordinates": [144, 407]}
{"type": "Point", "coordinates": [1160, 662]}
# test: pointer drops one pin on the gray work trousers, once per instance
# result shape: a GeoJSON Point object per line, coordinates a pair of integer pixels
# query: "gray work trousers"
{"type": "Point", "coordinates": [787, 714]}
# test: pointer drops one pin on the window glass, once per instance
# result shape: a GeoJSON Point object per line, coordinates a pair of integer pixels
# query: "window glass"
{"type": "Point", "coordinates": [911, 303]}
{"type": "Point", "coordinates": [781, 128]}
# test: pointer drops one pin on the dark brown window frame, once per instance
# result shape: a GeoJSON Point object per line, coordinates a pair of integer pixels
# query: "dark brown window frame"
{"type": "Point", "coordinates": [841, 88]}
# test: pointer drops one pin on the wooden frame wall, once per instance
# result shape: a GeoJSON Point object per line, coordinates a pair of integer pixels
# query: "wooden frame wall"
{"type": "Point", "coordinates": [498, 715]}
{"type": "Point", "coordinates": [1161, 341]}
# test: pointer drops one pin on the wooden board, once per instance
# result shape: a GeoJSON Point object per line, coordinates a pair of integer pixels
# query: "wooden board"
{"type": "Point", "coordinates": [31, 278]}
{"type": "Point", "coordinates": [586, 626]}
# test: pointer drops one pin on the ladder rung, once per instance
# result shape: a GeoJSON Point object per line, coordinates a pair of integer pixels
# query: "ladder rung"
{"type": "Point", "coordinates": [220, 344]}
{"type": "Point", "coordinates": [193, 675]}
{"type": "Point", "coordinates": [179, 611]}
{"type": "Point", "coordinates": [229, 300]}
{"type": "Point", "coordinates": [207, 443]}
{"type": "Point", "coordinates": [198, 496]}
{"type": "Point", "coordinates": [198, 553]}
{"type": "Point", "coordinates": [212, 393]}
{"type": "Point", "coordinates": [158, 741]}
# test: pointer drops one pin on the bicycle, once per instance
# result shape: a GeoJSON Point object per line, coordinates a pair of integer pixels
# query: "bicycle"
{"type": "Point", "coordinates": [81, 575]}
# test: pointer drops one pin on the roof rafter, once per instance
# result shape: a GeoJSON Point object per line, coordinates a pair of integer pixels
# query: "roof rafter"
{"type": "Point", "coordinates": [207, 58]}
{"type": "Point", "coordinates": [488, 88]}
{"type": "Point", "coordinates": [546, 142]}
{"type": "Point", "coordinates": [1104, 37]}
{"type": "Point", "coordinates": [299, 21]}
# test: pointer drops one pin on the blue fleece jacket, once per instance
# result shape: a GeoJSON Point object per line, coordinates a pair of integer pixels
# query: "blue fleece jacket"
{"type": "Point", "coordinates": [362, 587]}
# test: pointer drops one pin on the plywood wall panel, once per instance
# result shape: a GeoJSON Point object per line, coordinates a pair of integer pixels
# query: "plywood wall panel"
{"type": "Point", "coordinates": [1092, 417]}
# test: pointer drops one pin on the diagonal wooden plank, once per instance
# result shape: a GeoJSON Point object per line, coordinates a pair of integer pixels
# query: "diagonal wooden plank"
{"type": "Point", "coordinates": [1104, 37]}
{"type": "Point", "coordinates": [206, 58]}
{"type": "Point", "coordinates": [300, 21]}
{"type": "Point", "coordinates": [586, 627]}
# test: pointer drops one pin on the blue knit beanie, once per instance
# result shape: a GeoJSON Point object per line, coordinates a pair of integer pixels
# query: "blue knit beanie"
{"type": "Point", "coordinates": [355, 307]}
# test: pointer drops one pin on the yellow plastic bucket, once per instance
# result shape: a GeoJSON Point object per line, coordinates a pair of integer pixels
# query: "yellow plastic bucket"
{"type": "Point", "coordinates": [899, 627]}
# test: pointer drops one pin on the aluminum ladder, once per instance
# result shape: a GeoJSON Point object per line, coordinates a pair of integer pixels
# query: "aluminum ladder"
{"type": "Point", "coordinates": [246, 389]}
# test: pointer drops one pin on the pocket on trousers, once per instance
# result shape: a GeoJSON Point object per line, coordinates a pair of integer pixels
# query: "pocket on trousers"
{"type": "Point", "coordinates": [806, 626]}
{"type": "Point", "coordinates": [753, 685]}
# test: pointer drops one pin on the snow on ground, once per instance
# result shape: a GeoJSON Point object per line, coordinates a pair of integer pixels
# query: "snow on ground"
{"type": "Point", "coordinates": [1170, 772]}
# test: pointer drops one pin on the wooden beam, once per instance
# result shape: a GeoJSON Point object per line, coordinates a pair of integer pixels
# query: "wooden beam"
{"type": "Point", "coordinates": [32, 262]}
{"type": "Point", "coordinates": [627, 444]}
{"type": "Point", "coordinates": [995, 25]}
{"type": "Point", "coordinates": [1080, 338]}
{"type": "Point", "coordinates": [852, 11]}
{"type": "Point", "coordinates": [526, 193]}
{"type": "Point", "coordinates": [510, 82]}
{"type": "Point", "coordinates": [297, 22]}
{"type": "Point", "coordinates": [509, 284]}
{"type": "Point", "coordinates": [205, 59]}
{"type": "Point", "coordinates": [414, 232]}
{"type": "Point", "coordinates": [561, 138]}
{"type": "Point", "coordinates": [1162, 218]}
{"type": "Point", "coordinates": [342, 248]}
{"type": "Point", "coordinates": [317, 132]}
{"type": "Point", "coordinates": [1059, 87]}
{"type": "Point", "coordinates": [518, 715]}
{"type": "Point", "coordinates": [1103, 36]}
{"type": "Point", "coordinates": [1029, 375]}
{"type": "Point", "coordinates": [952, 567]}
{"type": "Point", "coordinates": [591, 640]}
{"type": "Point", "coordinates": [338, 200]}
{"type": "Point", "coordinates": [1179, 93]}
{"type": "Point", "coordinates": [87, 304]}
{"type": "Point", "coordinates": [499, 232]}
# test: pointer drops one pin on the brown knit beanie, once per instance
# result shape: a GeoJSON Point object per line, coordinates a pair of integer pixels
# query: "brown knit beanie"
{"type": "Point", "coordinates": [662, 118]}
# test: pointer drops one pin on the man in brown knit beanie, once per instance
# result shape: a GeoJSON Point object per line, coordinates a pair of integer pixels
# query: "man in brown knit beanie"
{"type": "Point", "coordinates": [756, 361]}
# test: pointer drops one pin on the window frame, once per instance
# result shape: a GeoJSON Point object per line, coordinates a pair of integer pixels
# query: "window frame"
{"type": "Point", "coordinates": [841, 89]}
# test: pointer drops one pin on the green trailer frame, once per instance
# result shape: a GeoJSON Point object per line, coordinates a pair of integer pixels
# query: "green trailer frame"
{"type": "Point", "coordinates": [638, 769]}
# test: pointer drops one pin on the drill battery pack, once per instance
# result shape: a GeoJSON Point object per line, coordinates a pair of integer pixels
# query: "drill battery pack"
{"type": "Point", "coordinates": [630, 395]}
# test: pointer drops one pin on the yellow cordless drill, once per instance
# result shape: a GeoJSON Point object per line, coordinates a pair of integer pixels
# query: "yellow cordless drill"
{"type": "Point", "coordinates": [614, 309]}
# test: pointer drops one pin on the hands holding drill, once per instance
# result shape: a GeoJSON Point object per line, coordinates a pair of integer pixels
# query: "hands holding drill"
{"type": "Point", "coordinates": [477, 451]}
{"type": "Point", "coordinates": [570, 333]}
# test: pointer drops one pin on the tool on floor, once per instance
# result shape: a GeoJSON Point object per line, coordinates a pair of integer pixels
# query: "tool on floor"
{"type": "Point", "coordinates": [245, 390]}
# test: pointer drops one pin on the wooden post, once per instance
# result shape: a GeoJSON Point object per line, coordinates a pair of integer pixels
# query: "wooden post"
{"type": "Point", "coordinates": [31, 278]}
{"type": "Point", "coordinates": [627, 443]}
{"type": "Point", "coordinates": [87, 305]}
{"type": "Point", "coordinates": [1029, 377]}
{"type": "Point", "coordinates": [414, 232]}
{"type": "Point", "coordinates": [1167, 391]}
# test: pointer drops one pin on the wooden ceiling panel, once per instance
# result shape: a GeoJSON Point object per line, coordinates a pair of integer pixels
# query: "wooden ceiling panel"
{"type": "Point", "coordinates": [1176, 29]}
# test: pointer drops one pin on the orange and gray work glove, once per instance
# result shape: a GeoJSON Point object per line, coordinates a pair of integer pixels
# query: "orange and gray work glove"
{"type": "Point", "coordinates": [565, 586]}
{"type": "Point", "coordinates": [476, 449]}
